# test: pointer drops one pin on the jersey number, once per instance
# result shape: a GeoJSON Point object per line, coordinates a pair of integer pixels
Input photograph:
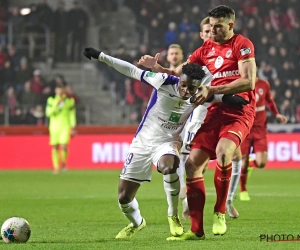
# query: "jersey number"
{"type": "Point", "coordinates": [127, 162]}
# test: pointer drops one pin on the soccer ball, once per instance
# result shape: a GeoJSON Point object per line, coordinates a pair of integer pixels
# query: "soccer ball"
{"type": "Point", "coordinates": [15, 229]}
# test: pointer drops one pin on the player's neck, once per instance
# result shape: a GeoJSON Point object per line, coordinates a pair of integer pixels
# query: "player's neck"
{"type": "Point", "coordinates": [226, 39]}
{"type": "Point", "coordinates": [172, 67]}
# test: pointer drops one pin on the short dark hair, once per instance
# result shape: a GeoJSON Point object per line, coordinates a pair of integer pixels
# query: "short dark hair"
{"type": "Point", "coordinates": [222, 11]}
{"type": "Point", "coordinates": [193, 71]}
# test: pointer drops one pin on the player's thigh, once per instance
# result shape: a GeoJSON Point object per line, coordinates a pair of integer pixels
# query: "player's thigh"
{"type": "Point", "coordinates": [196, 163]}
{"type": "Point", "coordinates": [246, 145]}
{"type": "Point", "coordinates": [138, 165]}
{"type": "Point", "coordinates": [54, 137]}
{"type": "Point", "coordinates": [260, 143]}
{"type": "Point", "coordinates": [64, 136]}
{"type": "Point", "coordinates": [190, 132]}
{"type": "Point", "coordinates": [207, 136]}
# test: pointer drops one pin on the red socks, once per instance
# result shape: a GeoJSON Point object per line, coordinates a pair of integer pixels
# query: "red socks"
{"type": "Point", "coordinates": [243, 179]}
{"type": "Point", "coordinates": [222, 180]}
{"type": "Point", "coordinates": [195, 192]}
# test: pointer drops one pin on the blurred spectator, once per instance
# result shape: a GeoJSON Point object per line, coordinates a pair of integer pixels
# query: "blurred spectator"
{"type": "Point", "coordinates": [290, 19]}
{"type": "Point", "coordinates": [36, 116]}
{"type": "Point", "coordinates": [70, 93]}
{"type": "Point", "coordinates": [44, 14]}
{"type": "Point", "coordinates": [78, 21]}
{"type": "Point", "coordinates": [60, 29]}
{"type": "Point", "coordinates": [58, 79]}
{"type": "Point", "coordinates": [15, 113]}
{"type": "Point", "coordinates": [267, 72]}
{"type": "Point", "coordinates": [23, 74]}
{"type": "Point", "coordinates": [8, 74]}
{"type": "Point", "coordinates": [130, 104]}
{"type": "Point", "coordinates": [171, 34]}
{"type": "Point", "coordinates": [3, 24]}
{"type": "Point", "coordinates": [37, 83]}
{"type": "Point", "coordinates": [28, 99]}
{"type": "Point", "coordinates": [17, 23]}
{"type": "Point", "coordinates": [46, 93]}
{"type": "Point", "coordinates": [13, 56]}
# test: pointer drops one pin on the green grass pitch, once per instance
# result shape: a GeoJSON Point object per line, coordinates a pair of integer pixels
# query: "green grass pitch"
{"type": "Point", "coordinates": [79, 210]}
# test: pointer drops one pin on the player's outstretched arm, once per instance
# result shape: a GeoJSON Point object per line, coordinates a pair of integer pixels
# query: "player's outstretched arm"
{"type": "Point", "coordinates": [150, 62]}
{"type": "Point", "coordinates": [123, 67]}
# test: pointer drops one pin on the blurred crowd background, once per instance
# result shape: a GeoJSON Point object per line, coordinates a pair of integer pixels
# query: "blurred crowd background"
{"type": "Point", "coordinates": [41, 44]}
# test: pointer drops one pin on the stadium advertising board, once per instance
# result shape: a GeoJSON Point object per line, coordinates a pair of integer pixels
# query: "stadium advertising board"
{"type": "Point", "coordinates": [110, 151]}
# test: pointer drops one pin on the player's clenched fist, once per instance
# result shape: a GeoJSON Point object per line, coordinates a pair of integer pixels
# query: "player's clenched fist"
{"type": "Point", "coordinates": [91, 53]}
{"type": "Point", "coordinates": [201, 96]}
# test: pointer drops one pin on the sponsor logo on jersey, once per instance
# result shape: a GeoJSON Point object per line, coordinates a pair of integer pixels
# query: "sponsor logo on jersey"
{"type": "Point", "coordinates": [228, 53]}
{"type": "Point", "coordinates": [150, 74]}
{"type": "Point", "coordinates": [226, 74]}
{"type": "Point", "coordinates": [219, 62]}
{"type": "Point", "coordinates": [212, 52]}
{"type": "Point", "coordinates": [174, 117]}
{"type": "Point", "coordinates": [245, 51]}
{"type": "Point", "coordinates": [172, 95]}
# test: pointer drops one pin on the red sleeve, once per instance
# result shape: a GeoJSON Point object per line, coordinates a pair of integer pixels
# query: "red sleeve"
{"type": "Point", "coordinates": [196, 57]}
{"type": "Point", "coordinates": [270, 101]}
{"type": "Point", "coordinates": [244, 49]}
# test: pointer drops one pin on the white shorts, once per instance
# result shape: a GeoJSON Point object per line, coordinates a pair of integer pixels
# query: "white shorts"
{"type": "Point", "coordinates": [138, 165]}
{"type": "Point", "coordinates": [190, 131]}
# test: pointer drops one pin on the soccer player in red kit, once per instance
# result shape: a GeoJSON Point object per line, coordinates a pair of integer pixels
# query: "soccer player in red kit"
{"type": "Point", "coordinates": [258, 133]}
{"type": "Point", "coordinates": [230, 59]}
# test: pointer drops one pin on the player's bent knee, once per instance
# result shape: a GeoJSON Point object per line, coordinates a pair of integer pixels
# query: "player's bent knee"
{"type": "Point", "coordinates": [167, 169]}
{"type": "Point", "coordinates": [124, 198]}
{"type": "Point", "coordinates": [261, 165]}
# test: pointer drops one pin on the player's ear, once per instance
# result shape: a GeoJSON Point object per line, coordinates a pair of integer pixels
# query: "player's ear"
{"type": "Point", "coordinates": [231, 25]}
{"type": "Point", "coordinates": [201, 34]}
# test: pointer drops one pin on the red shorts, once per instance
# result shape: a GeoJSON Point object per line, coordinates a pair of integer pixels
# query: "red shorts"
{"type": "Point", "coordinates": [256, 139]}
{"type": "Point", "coordinates": [216, 126]}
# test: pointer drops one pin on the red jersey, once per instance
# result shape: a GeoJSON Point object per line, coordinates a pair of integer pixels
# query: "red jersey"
{"type": "Point", "coordinates": [222, 61]}
{"type": "Point", "coordinates": [263, 97]}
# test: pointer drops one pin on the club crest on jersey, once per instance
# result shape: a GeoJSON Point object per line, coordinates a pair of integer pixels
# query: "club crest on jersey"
{"type": "Point", "coordinates": [260, 91]}
{"type": "Point", "coordinates": [245, 51]}
{"type": "Point", "coordinates": [228, 53]}
{"type": "Point", "coordinates": [219, 62]}
{"type": "Point", "coordinates": [257, 97]}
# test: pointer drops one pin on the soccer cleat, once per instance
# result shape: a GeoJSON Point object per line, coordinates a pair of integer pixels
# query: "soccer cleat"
{"type": "Point", "coordinates": [219, 226]}
{"type": "Point", "coordinates": [185, 210]}
{"type": "Point", "coordinates": [232, 212]}
{"type": "Point", "coordinates": [130, 230]}
{"type": "Point", "coordinates": [176, 227]}
{"type": "Point", "coordinates": [244, 196]}
{"type": "Point", "coordinates": [187, 236]}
